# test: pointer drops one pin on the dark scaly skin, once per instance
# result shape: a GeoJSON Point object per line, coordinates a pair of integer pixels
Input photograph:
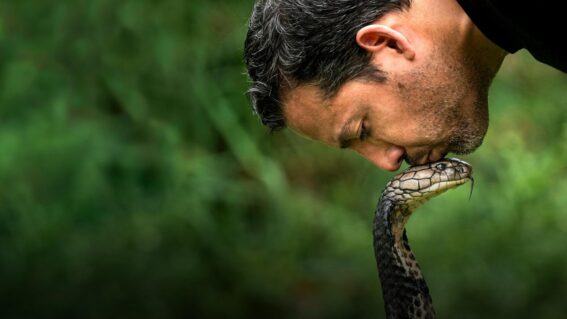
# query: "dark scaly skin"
{"type": "Point", "coordinates": [404, 289]}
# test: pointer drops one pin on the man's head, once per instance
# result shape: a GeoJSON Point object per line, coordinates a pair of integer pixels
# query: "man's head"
{"type": "Point", "coordinates": [391, 80]}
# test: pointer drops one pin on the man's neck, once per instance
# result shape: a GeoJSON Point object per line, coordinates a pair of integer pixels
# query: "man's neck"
{"type": "Point", "coordinates": [473, 40]}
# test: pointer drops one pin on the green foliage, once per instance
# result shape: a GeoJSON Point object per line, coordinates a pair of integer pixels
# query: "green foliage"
{"type": "Point", "coordinates": [137, 183]}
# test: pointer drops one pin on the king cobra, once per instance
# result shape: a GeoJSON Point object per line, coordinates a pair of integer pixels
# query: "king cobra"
{"type": "Point", "coordinates": [404, 289]}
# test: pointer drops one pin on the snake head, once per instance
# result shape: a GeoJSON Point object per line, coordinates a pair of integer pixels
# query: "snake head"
{"type": "Point", "coordinates": [422, 182]}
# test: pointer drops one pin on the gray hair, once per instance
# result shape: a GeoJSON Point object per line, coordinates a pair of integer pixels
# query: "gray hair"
{"type": "Point", "coordinates": [296, 42]}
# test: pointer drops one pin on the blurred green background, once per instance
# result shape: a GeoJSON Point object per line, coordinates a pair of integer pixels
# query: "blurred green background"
{"type": "Point", "coordinates": [136, 182]}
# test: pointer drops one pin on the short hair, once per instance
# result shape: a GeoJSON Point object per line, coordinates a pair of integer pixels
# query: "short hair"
{"type": "Point", "coordinates": [297, 42]}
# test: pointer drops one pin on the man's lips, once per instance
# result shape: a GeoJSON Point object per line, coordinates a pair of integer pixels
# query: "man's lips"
{"type": "Point", "coordinates": [423, 158]}
{"type": "Point", "coordinates": [416, 158]}
{"type": "Point", "coordinates": [436, 155]}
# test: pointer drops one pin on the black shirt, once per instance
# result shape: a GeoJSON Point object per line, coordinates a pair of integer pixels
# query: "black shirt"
{"type": "Point", "coordinates": [537, 26]}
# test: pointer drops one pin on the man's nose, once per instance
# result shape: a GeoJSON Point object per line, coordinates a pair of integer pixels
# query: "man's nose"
{"type": "Point", "coordinates": [386, 157]}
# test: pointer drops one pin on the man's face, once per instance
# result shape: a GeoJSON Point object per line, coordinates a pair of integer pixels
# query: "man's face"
{"type": "Point", "coordinates": [419, 115]}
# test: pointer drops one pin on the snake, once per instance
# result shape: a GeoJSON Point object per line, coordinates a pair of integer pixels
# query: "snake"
{"type": "Point", "coordinates": [404, 290]}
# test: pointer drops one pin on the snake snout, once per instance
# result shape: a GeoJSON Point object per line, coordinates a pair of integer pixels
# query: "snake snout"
{"type": "Point", "coordinates": [463, 170]}
{"type": "Point", "coordinates": [452, 169]}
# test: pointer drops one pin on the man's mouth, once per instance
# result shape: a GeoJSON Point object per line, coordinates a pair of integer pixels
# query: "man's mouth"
{"type": "Point", "coordinates": [423, 158]}
{"type": "Point", "coordinates": [436, 156]}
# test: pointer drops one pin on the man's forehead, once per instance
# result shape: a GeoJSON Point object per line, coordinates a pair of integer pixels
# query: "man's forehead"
{"type": "Point", "coordinates": [305, 94]}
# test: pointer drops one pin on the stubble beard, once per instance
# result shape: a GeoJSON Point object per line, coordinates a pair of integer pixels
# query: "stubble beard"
{"type": "Point", "coordinates": [471, 129]}
{"type": "Point", "coordinates": [467, 138]}
{"type": "Point", "coordinates": [441, 103]}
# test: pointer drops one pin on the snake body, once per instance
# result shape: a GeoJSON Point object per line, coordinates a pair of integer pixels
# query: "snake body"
{"type": "Point", "coordinates": [404, 289]}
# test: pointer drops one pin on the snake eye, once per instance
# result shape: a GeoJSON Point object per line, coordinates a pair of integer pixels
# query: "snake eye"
{"type": "Point", "coordinates": [441, 166]}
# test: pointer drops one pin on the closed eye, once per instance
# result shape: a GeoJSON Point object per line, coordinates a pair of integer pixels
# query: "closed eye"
{"type": "Point", "coordinates": [364, 132]}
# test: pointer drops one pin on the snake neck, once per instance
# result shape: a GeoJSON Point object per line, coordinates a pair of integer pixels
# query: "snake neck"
{"type": "Point", "coordinates": [404, 289]}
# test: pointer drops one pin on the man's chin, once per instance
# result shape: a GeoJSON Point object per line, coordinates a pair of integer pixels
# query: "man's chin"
{"type": "Point", "coordinates": [464, 147]}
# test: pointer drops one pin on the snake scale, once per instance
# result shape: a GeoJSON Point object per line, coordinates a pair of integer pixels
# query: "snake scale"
{"type": "Point", "coordinates": [404, 289]}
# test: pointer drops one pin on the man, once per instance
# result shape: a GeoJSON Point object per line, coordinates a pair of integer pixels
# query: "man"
{"type": "Point", "coordinates": [392, 80]}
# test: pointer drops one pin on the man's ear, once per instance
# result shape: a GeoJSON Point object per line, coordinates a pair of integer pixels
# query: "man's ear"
{"type": "Point", "coordinates": [376, 37]}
